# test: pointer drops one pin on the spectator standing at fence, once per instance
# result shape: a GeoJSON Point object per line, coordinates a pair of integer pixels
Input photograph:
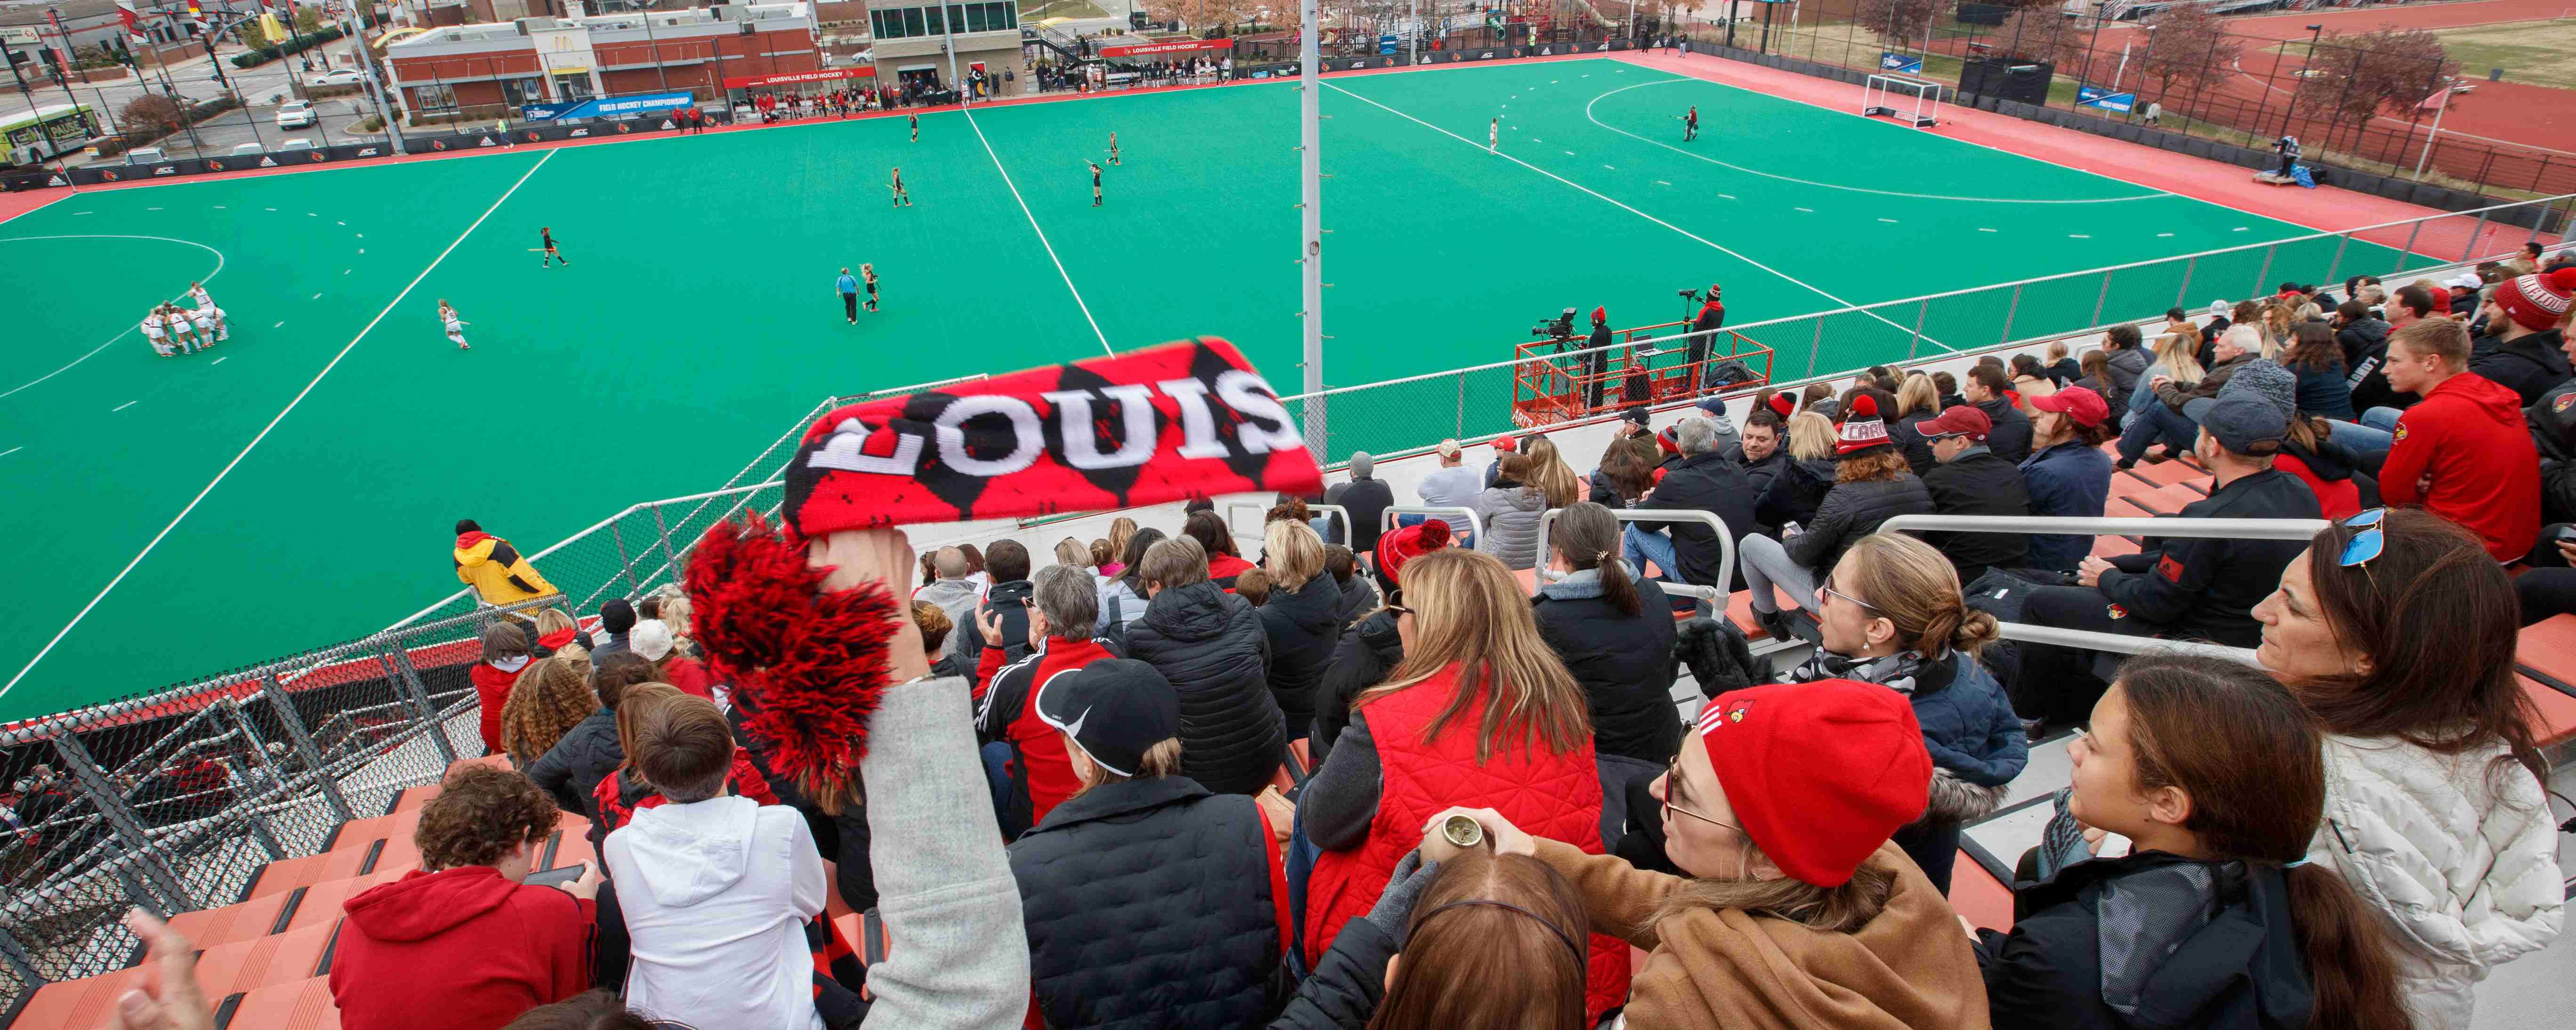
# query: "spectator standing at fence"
{"type": "Point", "coordinates": [1704, 327]}
{"type": "Point", "coordinates": [2213, 773]}
{"type": "Point", "coordinates": [1480, 712]}
{"type": "Point", "coordinates": [1210, 646]}
{"type": "Point", "coordinates": [1366, 498]}
{"type": "Point", "coordinates": [464, 935]}
{"type": "Point", "coordinates": [2526, 323]}
{"type": "Point", "coordinates": [1971, 480]}
{"type": "Point", "coordinates": [2463, 452]}
{"type": "Point", "coordinates": [494, 570]}
{"type": "Point", "coordinates": [2196, 588]}
{"type": "Point", "coordinates": [2434, 807]}
{"type": "Point", "coordinates": [505, 655]}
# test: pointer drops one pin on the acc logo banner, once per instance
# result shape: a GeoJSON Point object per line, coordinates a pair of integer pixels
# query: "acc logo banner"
{"type": "Point", "coordinates": [1182, 420]}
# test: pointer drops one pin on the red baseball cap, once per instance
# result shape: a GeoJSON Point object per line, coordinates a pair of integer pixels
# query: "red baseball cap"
{"type": "Point", "coordinates": [2076, 402]}
{"type": "Point", "coordinates": [1819, 774]}
{"type": "Point", "coordinates": [1961, 420]}
{"type": "Point", "coordinates": [1506, 444]}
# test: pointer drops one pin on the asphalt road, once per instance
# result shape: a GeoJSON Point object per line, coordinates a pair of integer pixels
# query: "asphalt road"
{"type": "Point", "coordinates": [262, 88]}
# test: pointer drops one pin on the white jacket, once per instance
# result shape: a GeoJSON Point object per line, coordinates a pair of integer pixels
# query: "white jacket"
{"type": "Point", "coordinates": [716, 895]}
{"type": "Point", "coordinates": [2460, 857]}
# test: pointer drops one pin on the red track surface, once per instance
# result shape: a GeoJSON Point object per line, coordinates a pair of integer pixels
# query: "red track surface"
{"type": "Point", "coordinates": [2324, 208]}
{"type": "Point", "coordinates": [2505, 114]}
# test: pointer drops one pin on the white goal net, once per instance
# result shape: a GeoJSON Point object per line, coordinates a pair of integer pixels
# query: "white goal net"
{"type": "Point", "coordinates": [1912, 101]}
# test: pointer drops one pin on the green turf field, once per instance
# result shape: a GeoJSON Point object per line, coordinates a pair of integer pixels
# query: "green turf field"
{"type": "Point", "coordinates": [698, 316]}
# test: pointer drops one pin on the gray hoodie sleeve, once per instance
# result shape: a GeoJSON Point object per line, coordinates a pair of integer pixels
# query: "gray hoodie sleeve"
{"type": "Point", "coordinates": [957, 956]}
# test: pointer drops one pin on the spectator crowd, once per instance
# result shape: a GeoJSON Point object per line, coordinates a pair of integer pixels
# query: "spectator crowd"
{"type": "Point", "coordinates": [1364, 778]}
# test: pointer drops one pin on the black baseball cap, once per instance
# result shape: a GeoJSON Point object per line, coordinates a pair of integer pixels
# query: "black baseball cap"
{"type": "Point", "coordinates": [1116, 709]}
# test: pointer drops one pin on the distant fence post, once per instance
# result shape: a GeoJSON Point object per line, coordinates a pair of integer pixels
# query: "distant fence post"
{"type": "Point", "coordinates": [625, 565]}
{"type": "Point", "coordinates": [2188, 267]}
{"type": "Point", "coordinates": [408, 679]}
{"type": "Point", "coordinates": [2469, 252]}
{"type": "Point", "coordinates": [2409, 249]}
{"type": "Point", "coordinates": [110, 804]}
{"type": "Point", "coordinates": [669, 555]}
{"type": "Point", "coordinates": [304, 749]}
{"type": "Point", "coordinates": [259, 827]}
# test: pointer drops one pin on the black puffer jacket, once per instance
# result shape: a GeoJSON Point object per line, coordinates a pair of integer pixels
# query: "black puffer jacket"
{"type": "Point", "coordinates": [1907, 434]}
{"type": "Point", "coordinates": [1108, 944]}
{"type": "Point", "coordinates": [1852, 511]}
{"type": "Point", "coordinates": [2528, 365]}
{"type": "Point", "coordinates": [1625, 663]}
{"type": "Point", "coordinates": [1210, 645]}
{"type": "Point", "coordinates": [2552, 422]}
{"type": "Point", "coordinates": [1358, 598]}
{"type": "Point", "coordinates": [1361, 660]}
{"type": "Point", "coordinates": [1978, 483]}
{"type": "Point", "coordinates": [2209, 945]}
{"type": "Point", "coordinates": [2010, 435]}
{"type": "Point", "coordinates": [579, 761]}
{"type": "Point", "coordinates": [1795, 493]}
{"type": "Point", "coordinates": [1301, 627]}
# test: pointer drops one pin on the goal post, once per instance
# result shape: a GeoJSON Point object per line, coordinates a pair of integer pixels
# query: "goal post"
{"type": "Point", "coordinates": [1912, 101]}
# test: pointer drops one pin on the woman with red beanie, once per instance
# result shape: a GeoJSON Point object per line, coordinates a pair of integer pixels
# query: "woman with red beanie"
{"type": "Point", "coordinates": [1797, 913]}
{"type": "Point", "coordinates": [1478, 711]}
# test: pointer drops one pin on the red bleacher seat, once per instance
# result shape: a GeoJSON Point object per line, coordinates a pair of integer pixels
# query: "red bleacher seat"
{"type": "Point", "coordinates": [348, 860]}
{"type": "Point", "coordinates": [396, 826]}
{"type": "Point", "coordinates": [77, 1004]}
{"type": "Point", "coordinates": [2557, 722]}
{"type": "Point", "coordinates": [2128, 507]}
{"type": "Point", "coordinates": [2109, 547]}
{"type": "Point", "coordinates": [260, 962]}
{"type": "Point", "coordinates": [1976, 894]}
{"type": "Point", "coordinates": [412, 798]}
{"type": "Point", "coordinates": [301, 1005]}
{"type": "Point", "coordinates": [327, 901]}
{"type": "Point", "coordinates": [1739, 607]}
{"type": "Point", "coordinates": [2170, 473]}
{"type": "Point", "coordinates": [2549, 648]}
{"type": "Point", "coordinates": [255, 918]}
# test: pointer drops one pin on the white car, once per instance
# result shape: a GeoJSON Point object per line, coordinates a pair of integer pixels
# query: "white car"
{"type": "Point", "coordinates": [295, 114]}
{"type": "Point", "coordinates": [145, 156]}
{"type": "Point", "coordinates": [336, 77]}
{"type": "Point", "coordinates": [249, 149]}
{"type": "Point", "coordinates": [297, 143]}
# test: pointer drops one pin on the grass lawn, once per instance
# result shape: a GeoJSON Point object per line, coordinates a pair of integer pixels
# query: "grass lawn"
{"type": "Point", "coordinates": [2538, 53]}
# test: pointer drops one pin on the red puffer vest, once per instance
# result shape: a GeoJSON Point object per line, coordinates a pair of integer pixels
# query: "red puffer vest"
{"type": "Point", "coordinates": [1552, 796]}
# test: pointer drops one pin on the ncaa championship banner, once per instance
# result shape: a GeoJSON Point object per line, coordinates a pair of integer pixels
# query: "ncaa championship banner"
{"type": "Point", "coordinates": [1177, 421]}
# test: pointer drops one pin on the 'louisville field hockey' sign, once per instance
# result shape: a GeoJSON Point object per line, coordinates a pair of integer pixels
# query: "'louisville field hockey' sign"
{"type": "Point", "coordinates": [1181, 420]}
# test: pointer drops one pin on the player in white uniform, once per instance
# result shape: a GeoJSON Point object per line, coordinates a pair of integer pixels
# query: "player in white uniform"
{"type": "Point", "coordinates": [455, 326]}
{"type": "Point", "coordinates": [182, 332]}
{"type": "Point", "coordinates": [1493, 135]}
{"type": "Point", "coordinates": [154, 334]}
{"type": "Point", "coordinates": [205, 318]}
{"type": "Point", "coordinates": [197, 295]}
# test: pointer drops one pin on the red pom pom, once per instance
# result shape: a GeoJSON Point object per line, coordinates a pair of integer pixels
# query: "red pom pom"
{"type": "Point", "coordinates": [1864, 407]}
{"type": "Point", "coordinates": [1435, 535]}
{"type": "Point", "coordinates": [2563, 279]}
{"type": "Point", "coordinates": [808, 668]}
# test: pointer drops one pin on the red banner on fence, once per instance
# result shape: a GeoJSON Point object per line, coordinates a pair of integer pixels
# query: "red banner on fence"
{"type": "Point", "coordinates": [1181, 420]}
{"type": "Point", "coordinates": [826, 75]}
{"type": "Point", "coordinates": [1140, 49]}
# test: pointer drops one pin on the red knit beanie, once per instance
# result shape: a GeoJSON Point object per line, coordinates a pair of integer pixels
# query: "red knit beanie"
{"type": "Point", "coordinates": [1784, 405]}
{"type": "Point", "coordinates": [1819, 774]}
{"type": "Point", "coordinates": [1396, 548]}
{"type": "Point", "coordinates": [2537, 301]}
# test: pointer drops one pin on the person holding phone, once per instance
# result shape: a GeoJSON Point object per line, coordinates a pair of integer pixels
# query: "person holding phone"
{"type": "Point", "coordinates": [474, 934]}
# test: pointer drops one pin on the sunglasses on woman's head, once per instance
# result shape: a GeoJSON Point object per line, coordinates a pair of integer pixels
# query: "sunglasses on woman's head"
{"type": "Point", "coordinates": [2367, 544]}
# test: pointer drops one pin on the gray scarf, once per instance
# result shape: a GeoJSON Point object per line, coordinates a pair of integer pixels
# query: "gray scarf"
{"type": "Point", "coordinates": [1584, 585]}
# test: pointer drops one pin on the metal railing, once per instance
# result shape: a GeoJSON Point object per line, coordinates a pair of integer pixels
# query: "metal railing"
{"type": "Point", "coordinates": [2115, 643]}
{"type": "Point", "coordinates": [1411, 412]}
{"type": "Point", "coordinates": [1674, 584]}
{"type": "Point", "coordinates": [1443, 513]}
{"type": "Point", "coordinates": [1329, 511]}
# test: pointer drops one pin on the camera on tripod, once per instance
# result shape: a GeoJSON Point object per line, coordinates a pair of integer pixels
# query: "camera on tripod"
{"type": "Point", "coordinates": [1687, 293]}
{"type": "Point", "coordinates": [1559, 328]}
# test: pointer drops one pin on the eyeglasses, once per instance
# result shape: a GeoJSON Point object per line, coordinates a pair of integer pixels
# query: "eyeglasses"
{"type": "Point", "coordinates": [1827, 588]}
{"type": "Point", "coordinates": [1673, 775]}
{"type": "Point", "coordinates": [2367, 544]}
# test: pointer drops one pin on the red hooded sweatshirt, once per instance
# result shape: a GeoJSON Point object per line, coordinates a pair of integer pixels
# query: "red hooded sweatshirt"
{"type": "Point", "coordinates": [475, 949]}
{"type": "Point", "coordinates": [2467, 434]}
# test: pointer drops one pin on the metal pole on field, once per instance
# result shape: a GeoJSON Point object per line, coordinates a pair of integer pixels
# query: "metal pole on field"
{"type": "Point", "coordinates": [2314, 31]}
{"type": "Point", "coordinates": [948, 45]}
{"type": "Point", "coordinates": [367, 75]}
{"type": "Point", "coordinates": [1413, 32]}
{"type": "Point", "coordinates": [2428, 141]}
{"type": "Point", "coordinates": [1310, 196]}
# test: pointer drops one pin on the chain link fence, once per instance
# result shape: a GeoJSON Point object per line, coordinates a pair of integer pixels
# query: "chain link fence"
{"type": "Point", "coordinates": [1407, 415]}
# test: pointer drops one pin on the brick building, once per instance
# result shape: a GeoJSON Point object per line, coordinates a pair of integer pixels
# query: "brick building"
{"type": "Point", "coordinates": [489, 70]}
{"type": "Point", "coordinates": [912, 38]}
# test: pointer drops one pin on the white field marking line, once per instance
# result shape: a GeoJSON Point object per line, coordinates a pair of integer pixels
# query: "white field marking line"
{"type": "Point", "coordinates": [1587, 114]}
{"type": "Point", "coordinates": [13, 450]}
{"type": "Point", "coordinates": [272, 424]}
{"type": "Point", "coordinates": [219, 267]}
{"type": "Point", "coordinates": [1033, 226]}
{"type": "Point", "coordinates": [223, 359]}
{"type": "Point", "coordinates": [1720, 248]}
{"type": "Point", "coordinates": [121, 407]}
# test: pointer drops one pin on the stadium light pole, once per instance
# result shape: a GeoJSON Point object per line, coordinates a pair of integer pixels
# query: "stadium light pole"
{"type": "Point", "coordinates": [2314, 33]}
{"type": "Point", "coordinates": [1310, 196]}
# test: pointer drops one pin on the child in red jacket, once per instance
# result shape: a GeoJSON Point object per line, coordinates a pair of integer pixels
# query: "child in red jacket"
{"type": "Point", "coordinates": [505, 655]}
{"type": "Point", "coordinates": [463, 937]}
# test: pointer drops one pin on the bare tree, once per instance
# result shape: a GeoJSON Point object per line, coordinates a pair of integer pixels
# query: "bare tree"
{"type": "Point", "coordinates": [2040, 34]}
{"type": "Point", "coordinates": [2391, 69]}
{"type": "Point", "coordinates": [2188, 48]}
{"type": "Point", "coordinates": [1898, 21]}
{"type": "Point", "coordinates": [152, 115]}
